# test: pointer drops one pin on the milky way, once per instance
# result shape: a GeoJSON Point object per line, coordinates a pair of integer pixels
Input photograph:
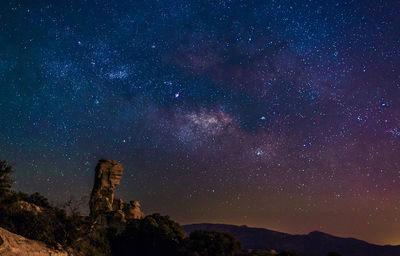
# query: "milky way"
{"type": "Point", "coordinates": [277, 114]}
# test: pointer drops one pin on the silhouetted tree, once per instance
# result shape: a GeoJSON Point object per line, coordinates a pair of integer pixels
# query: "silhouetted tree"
{"type": "Point", "coordinates": [211, 243]}
{"type": "Point", "coordinates": [334, 254]}
{"type": "Point", "coordinates": [93, 243]}
{"type": "Point", "coordinates": [74, 205]}
{"type": "Point", "coordinates": [153, 235]}
{"type": "Point", "coordinates": [5, 179]}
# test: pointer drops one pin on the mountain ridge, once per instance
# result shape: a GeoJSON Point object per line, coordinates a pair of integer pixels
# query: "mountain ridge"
{"type": "Point", "coordinates": [315, 243]}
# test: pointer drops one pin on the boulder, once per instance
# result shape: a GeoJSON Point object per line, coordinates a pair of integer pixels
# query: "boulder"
{"type": "Point", "coordinates": [29, 207]}
{"type": "Point", "coordinates": [132, 210]}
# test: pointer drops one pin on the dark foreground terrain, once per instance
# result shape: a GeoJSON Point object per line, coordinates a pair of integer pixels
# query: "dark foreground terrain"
{"type": "Point", "coordinates": [31, 225]}
{"type": "Point", "coordinates": [315, 243]}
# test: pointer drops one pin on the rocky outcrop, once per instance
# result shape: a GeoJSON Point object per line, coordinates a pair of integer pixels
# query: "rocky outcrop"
{"type": "Point", "coordinates": [15, 245]}
{"type": "Point", "coordinates": [105, 209]}
{"type": "Point", "coordinates": [107, 177]}
{"type": "Point", "coordinates": [132, 210]}
{"type": "Point", "coordinates": [29, 207]}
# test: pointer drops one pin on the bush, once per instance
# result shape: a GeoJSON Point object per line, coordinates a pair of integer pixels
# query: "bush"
{"type": "Point", "coordinates": [152, 235]}
{"type": "Point", "coordinates": [211, 243]}
{"type": "Point", "coordinates": [334, 254]}
{"type": "Point", "coordinates": [51, 225]}
{"type": "Point", "coordinates": [93, 243]}
{"type": "Point", "coordinates": [48, 225]}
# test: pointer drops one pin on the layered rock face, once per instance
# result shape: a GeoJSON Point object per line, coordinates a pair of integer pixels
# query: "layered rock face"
{"type": "Point", "coordinates": [105, 209]}
{"type": "Point", "coordinates": [15, 245]}
{"type": "Point", "coordinates": [107, 177]}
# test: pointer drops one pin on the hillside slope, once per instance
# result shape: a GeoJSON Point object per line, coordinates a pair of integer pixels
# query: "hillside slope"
{"type": "Point", "coordinates": [15, 245]}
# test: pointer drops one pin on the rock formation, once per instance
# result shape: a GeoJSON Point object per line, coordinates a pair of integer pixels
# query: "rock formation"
{"type": "Point", "coordinates": [15, 245]}
{"type": "Point", "coordinates": [105, 209]}
{"type": "Point", "coordinates": [132, 210]}
{"type": "Point", "coordinates": [107, 177]}
{"type": "Point", "coordinates": [29, 207]}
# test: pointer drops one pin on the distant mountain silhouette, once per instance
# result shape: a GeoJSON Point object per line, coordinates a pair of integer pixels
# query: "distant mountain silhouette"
{"type": "Point", "coordinates": [313, 244]}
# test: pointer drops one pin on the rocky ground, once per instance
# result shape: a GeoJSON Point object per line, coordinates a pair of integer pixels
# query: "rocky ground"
{"type": "Point", "coordinates": [15, 245]}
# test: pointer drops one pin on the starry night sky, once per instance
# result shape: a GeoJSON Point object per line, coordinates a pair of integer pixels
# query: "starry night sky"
{"type": "Point", "coordinates": [276, 114]}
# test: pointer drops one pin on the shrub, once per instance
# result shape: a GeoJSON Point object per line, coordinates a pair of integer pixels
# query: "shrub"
{"type": "Point", "coordinates": [334, 254]}
{"type": "Point", "coordinates": [211, 243]}
{"type": "Point", "coordinates": [152, 235]}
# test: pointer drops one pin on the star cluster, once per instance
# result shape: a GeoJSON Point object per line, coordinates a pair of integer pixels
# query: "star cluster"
{"type": "Point", "coordinates": [277, 114]}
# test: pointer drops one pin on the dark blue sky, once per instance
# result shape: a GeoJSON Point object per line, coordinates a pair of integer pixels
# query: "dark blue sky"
{"type": "Point", "coordinates": [279, 114]}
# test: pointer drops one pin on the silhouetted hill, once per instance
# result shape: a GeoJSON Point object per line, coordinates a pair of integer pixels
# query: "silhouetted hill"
{"type": "Point", "coordinates": [313, 244]}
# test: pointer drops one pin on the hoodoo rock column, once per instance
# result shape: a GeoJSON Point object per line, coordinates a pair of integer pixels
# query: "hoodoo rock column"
{"type": "Point", "coordinates": [105, 209]}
